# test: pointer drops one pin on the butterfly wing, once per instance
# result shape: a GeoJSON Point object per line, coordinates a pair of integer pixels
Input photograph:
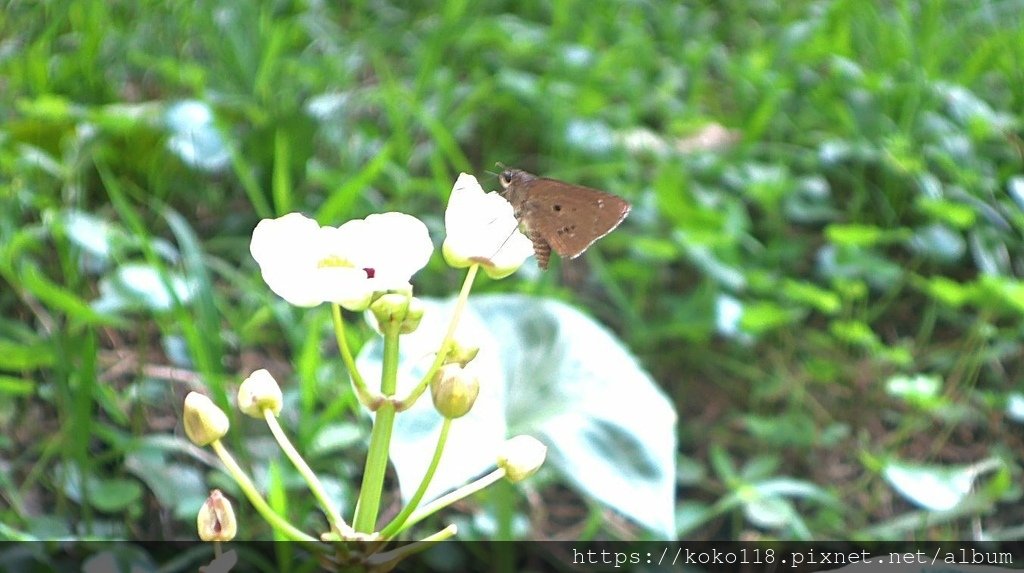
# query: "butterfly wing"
{"type": "Point", "coordinates": [571, 217]}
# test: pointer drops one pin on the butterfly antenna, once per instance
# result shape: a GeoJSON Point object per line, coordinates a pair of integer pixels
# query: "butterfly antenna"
{"type": "Point", "coordinates": [500, 165]}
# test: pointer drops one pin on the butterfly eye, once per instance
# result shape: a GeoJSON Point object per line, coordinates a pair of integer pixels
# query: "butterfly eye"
{"type": "Point", "coordinates": [505, 178]}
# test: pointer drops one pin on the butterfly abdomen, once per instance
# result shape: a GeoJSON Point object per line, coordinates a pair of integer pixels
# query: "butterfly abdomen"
{"type": "Point", "coordinates": [541, 249]}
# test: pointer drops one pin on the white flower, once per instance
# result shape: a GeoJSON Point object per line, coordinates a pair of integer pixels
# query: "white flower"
{"type": "Point", "coordinates": [482, 228]}
{"type": "Point", "coordinates": [307, 264]}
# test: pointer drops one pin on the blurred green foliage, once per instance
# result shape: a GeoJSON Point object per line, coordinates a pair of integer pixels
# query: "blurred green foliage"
{"type": "Point", "coordinates": [822, 266]}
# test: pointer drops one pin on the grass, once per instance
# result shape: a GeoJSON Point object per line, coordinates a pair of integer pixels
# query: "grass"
{"type": "Point", "coordinates": [866, 223]}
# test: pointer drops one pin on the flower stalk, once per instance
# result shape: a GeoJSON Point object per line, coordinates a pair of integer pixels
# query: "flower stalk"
{"type": "Point", "coordinates": [453, 496]}
{"type": "Point", "coordinates": [446, 342]}
{"type": "Point", "coordinates": [380, 436]}
{"type": "Point", "coordinates": [312, 481]}
{"type": "Point", "coordinates": [366, 397]}
{"type": "Point", "coordinates": [396, 525]}
{"type": "Point", "coordinates": [254, 497]}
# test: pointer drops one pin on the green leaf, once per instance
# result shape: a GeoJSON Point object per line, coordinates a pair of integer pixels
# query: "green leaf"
{"type": "Point", "coordinates": [59, 298]}
{"type": "Point", "coordinates": [552, 372]}
{"type": "Point", "coordinates": [690, 515]}
{"type": "Point", "coordinates": [92, 234]}
{"type": "Point", "coordinates": [178, 486]}
{"type": "Point", "coordinates": [939, 243]}
{"type": "Point", "coordinates": [17, 357]}
{"type": "Point", "coordinates": [654, 249]}
{"type": "Point", "coordinates": [948, 291]}
{"type": "Point", "coordinates": [16, 386]}
{"type": "Point", "coordinates": [765, 316]}
{"type": "Point", "coordinates": [790, 487]}
{"type": "Point", "coordinates": [689, 471]}
{"type": "Point", "coordinates": [954, 213]}
{"type": "Point", "coordinates": [855, 332]}
{"type": "Point", "coordinates": [114, 494]}
{"type": "Point", "coordinates": [1007, 290]}
{"type": "Point", "coordinates": [823, 300]}
{"type": "Point", "coordinates": [340, 201]}
{"type": "Point", "coordinates": [848, 263]}
{"type": "Point", "coordinates": [142, 286]}
{"type": "Point", "coordinates": [49, 107]}
{"type": "Point", "coordinates": [854, 235]}
{"type": "Point", "coordinates": [105, 494]}
{"type": "Point", "coordinates": [922, 390]}
{"type": "Point", "coordinates": [937, 488]}
{"type": "Point", "coordinates": [194, 136]}
{"type": "Point", "coordinates": [769, 512]}
{"type": "Point", "coordinates": [334, 438]}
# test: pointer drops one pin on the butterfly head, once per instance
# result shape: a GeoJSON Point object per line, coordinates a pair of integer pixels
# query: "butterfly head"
{"type": "Point", "coordinates": [506, 177]}
{"type": "Point", "coordinates": [512, 177]}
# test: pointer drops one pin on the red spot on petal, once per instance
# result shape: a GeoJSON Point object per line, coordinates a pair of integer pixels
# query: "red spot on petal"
{"type": "Point", "coordinates": [370, 272]}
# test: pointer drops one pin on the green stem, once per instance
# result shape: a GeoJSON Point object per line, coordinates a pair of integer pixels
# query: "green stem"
{"type": "Point", "coordinates": [395, 526]}
{"type": "Point", "coordinates": [442, 352]}
{"type": "Point", "coordinates": [366, 397]}
{"type": "Point", "coordinates": [255, 498]}
{"type": "Point", "coordinates": [337, 522]}
{"type": "Point", "coordinates": [501, 496]}
{"type": "Point", "coordinates": [393, 557]}
{"type": "Point", "coordinates": [380, 437]}
{"type": "Point", "coordinates": [450, 498]}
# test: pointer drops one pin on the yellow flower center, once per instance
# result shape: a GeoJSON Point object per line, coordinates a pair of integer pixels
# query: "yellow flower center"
{"type": "Point", "coordinates": [334, 261]}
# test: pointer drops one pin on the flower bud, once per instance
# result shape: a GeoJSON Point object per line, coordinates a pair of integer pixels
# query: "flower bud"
{"type": "Point", "coordinates": [461, 354]}
{"type": "Point", "coordinates": [398, 307]}
{"type": "Point", "coordinates": [521, 457]}
{"type": "Point", "coordinates": [204, 422]}
{"type": "Point", "coordinates": [413, 316]}
{"type": "Point", "coordinates": [454, 391]}
{"type": "Point", "coordinates": [259, 392]}
{"type": "Point", "coordinates": [216, 519]}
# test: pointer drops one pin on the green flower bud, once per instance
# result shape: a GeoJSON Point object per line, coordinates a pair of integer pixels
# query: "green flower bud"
{"type": "Point", "coordinates": [204, 422]}
{"type": "Point", "coordinates": [454, 391]}
{"type": "Point", "coordinates": [216, 519]}
{"type": "Point", "coordinates": [413, 316]}
{"type": "Point", "coordinates": [259, 392]}
{"type": "Point", "coordinates": [398, 307]}
{"type": "Point", "coordinates": [461, 354]}
{"type": "Point", "coordinates": [521, 457]}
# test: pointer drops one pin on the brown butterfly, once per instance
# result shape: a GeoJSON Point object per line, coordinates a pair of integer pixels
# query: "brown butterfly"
{"type": "Point", "coordinates": [559, 215]}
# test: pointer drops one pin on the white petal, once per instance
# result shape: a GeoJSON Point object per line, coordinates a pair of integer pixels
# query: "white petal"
{"type": "Point", "coordinates": [286, 250]}
{"type": "Point", "coordinates": [274, 240]}
{"type": "Point", "coordinates": [462, 202]}
{"type": "Point", "coordinates": [347, 239]}
{"type": "Point", "coordinates": [481, 227]}
{"type": "Point", "coordinates": [348, 287]}
{"type": "Point", "coordinates": [514, 252]}
{"type": "Point", "coordinates": [395, 246]}
{"type": "Point", "coordinates": [297, 286]}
